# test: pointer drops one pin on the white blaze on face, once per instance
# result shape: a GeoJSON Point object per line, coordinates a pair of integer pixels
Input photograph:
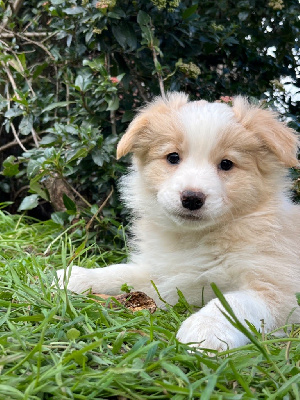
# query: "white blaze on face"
{"type": "Point", "coordinates": [202, 125]}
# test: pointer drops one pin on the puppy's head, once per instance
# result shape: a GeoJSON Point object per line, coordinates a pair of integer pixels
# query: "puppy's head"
{"type": "Point", "coordinates": [201, 163]}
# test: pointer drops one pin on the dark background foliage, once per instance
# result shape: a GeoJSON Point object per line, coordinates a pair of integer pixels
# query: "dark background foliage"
{"type": "Point", "coordinates": [74, 72]}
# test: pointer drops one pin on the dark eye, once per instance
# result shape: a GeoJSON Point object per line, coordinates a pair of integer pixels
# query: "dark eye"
{"type": "Point", "coordinates": [226, 165]}
{"type": "Point", "coordinates": [173, 158]}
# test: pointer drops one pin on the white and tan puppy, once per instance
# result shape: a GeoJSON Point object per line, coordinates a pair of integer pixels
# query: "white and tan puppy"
{"type": "Point", "coordinates": [208, 195]}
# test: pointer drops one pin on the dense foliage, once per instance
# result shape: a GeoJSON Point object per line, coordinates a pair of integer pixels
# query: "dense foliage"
{"type": "Point", "coordinates": [73, 73]}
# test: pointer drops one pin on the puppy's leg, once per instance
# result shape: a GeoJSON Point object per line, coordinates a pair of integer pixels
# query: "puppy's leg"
{"type": "Point", "coordinates": [106, 280]}
{"type": "Point", "coordinates": [209, 328]}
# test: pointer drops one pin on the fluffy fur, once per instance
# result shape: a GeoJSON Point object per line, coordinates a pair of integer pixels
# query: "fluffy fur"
{"type": "Point", "coordinates": [246, 235]}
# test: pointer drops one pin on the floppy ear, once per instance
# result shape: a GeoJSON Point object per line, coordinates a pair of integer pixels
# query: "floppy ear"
{"type": "Point", "coordinates": [128, 140]}
{"type": "Point", "coordinates": [276, 136]}
{"type": "Point", "coordinates": [149, 119]}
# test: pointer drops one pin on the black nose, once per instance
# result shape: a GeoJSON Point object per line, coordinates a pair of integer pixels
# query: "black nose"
{"type": "Point", "coordinates": [192, 200]}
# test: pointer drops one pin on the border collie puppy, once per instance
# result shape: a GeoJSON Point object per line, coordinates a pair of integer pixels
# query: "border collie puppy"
{"type": "Point", "coordinates": [208, 193]}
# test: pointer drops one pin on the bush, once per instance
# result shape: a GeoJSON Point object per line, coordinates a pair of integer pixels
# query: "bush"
{"type": "Point", "coordinates": [74, 72]}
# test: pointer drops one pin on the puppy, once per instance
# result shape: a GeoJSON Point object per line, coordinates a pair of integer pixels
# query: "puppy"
{"type": "Point", "coordinates": [208, 195]}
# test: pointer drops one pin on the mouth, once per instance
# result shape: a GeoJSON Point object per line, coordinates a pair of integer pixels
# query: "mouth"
{"type": "Point", "coordinates": [189, 217]}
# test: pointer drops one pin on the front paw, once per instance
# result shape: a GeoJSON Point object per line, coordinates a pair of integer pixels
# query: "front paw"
{"type": "Point", "coordinates": [214, 333]}
{"type": "Point", "coordinates": [76, 279]}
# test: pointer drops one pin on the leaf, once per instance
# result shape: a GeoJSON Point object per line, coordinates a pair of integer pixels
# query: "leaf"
{"type": "Point", "coordinates": [125, 36]}
{"type": "Point", "coordinates": [118, 34]}
{"type": "Point", "coordinates": [69, 40]}
{"type": "Point", "coordinates": [69, 203]}
{"type": "Point", "coordinates": [49, 139]}
{"type": "Point", "coordinates": [38, 188]}
{"type": "Point", "coordinates": [33, 168]}
{"type": "Point", "coordinates": [11, 392]}
{"type": "Point", "coordinates": [73, 334]}
{"type": "Point", "coordinates": [13, 112]}
{"type": "Point", "coordinates": [10, 167]}
{"type": "Point", "coordinates": [97, 157]}
{"type": "Point", "coordinates": [22, 59]}
{"type": "Point", "coordinates": [3, 102]}
{"type": "Point", "coordinates": [189, 11]}
{"type": "Point", "coordinates": [243, 15]}
{"type": "Point", "coordinates": [76, 154]}
{"type": "Point", "coordinates": [39, 69]}
{"type": "Point", "coordinates": [113, 104]}
{"type": "Point", "coordinates": [74, 10]}
{"type": "Point", "coordinates": [143, 18]}
{"type": "Point", "coordinates": [79, 82]}
{"type": "Point", "coordinates": [58, 104]}
{"type": "Point", "coordinates": [29, 202]}
{"type": "Point", "coordinates": [59, 217]}
{"type": "Point", "coordinates": [26, 125]}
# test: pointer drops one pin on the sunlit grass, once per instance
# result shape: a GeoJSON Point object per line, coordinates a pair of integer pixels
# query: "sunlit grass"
{"type": "Point", "coordinates": [55, 345]}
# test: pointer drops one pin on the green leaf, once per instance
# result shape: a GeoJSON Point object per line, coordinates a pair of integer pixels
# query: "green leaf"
{"type": "Point", "coordinates": [74, 10]}
{"type": "Point", "coordinates": [113, 104]}
{"type": "Point", "coordinates": [59, 217]}
{"type": "Point", "coordinates": [3, 102]}
{"type": "Point", "coordinates": [56, 105]}
{"type": "Point", "coordinates": [97, 157]}
{"type": "Point", "coordinates": [143, 18]}
{"type": "Point", "coordinates": [10, 167]}
{"type": "Point", "coordinates": [29, 202]}
{"type": "Point", "coordinates": [73, 334]}
{"type": "Point", "coordinates": [26, 125]}
{"type": "Point", "coordinates": [13, 112]}
{"type": "Point", "coordinates": [22, 59]}
{"type": "Point", "coordinates": [38, 188]}
{"type": "Point", "coordinates": [125, 36]}
{"type": "Point", "coordinates": [69, 203]}
{"type": "Point", "coordinates": [11, 392]}
{"type": "Point", "coordinates": [33, 168]}
{"type": "Point", "coordinates": [189, 11]}
{"type": "Point", "coordinates": [76, 154]}
{"type": "Point", "coordinates": [39, 69]}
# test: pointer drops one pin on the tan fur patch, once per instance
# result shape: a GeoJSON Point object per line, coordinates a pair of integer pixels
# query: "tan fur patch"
{"type": "Point", "coordinates": [275, 135]}
{"type": "Point", "coordinates": [153, 125]}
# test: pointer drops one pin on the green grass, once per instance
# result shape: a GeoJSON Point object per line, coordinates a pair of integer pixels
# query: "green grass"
{"type": "Point", "coordinates": [55, 345]}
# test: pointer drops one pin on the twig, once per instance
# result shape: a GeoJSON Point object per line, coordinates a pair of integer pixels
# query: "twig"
{"type": "Point", "coordinates": [20, 67]}
{"type": "Point", "coordinates": [56, 90]}
{"type": "Point", "coordinates": [112, 112]}
{"type": "Point", "coordinates": [113, 122]}
{"type": "Point", "coordinates": [84, 103]}
{"type": "Point", "coordinates": [16, 6]}
{"type": "Point", "coordinates": [26, 34]}
{"type": "Point", "coordinates": [13, 83]}
{"type": "Point", "coordinates": [11, 79]}
{"type": "Point", "coordinates": [35, 139]}
{"type": "Point", "coordinates": [159, 75]}
{"type": "Point", "coordinates": [17, 137]}
{"type": "Point", "coordinates": [68, 105]}
{"type": "Point", "coordinates": [14, 143]}
{"type": "Point", "coordinates": [38, 44]}
{"type": "Point", "coordinates": [88, 225]}
{"type": "Point", "coordinates": [11, 124]}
